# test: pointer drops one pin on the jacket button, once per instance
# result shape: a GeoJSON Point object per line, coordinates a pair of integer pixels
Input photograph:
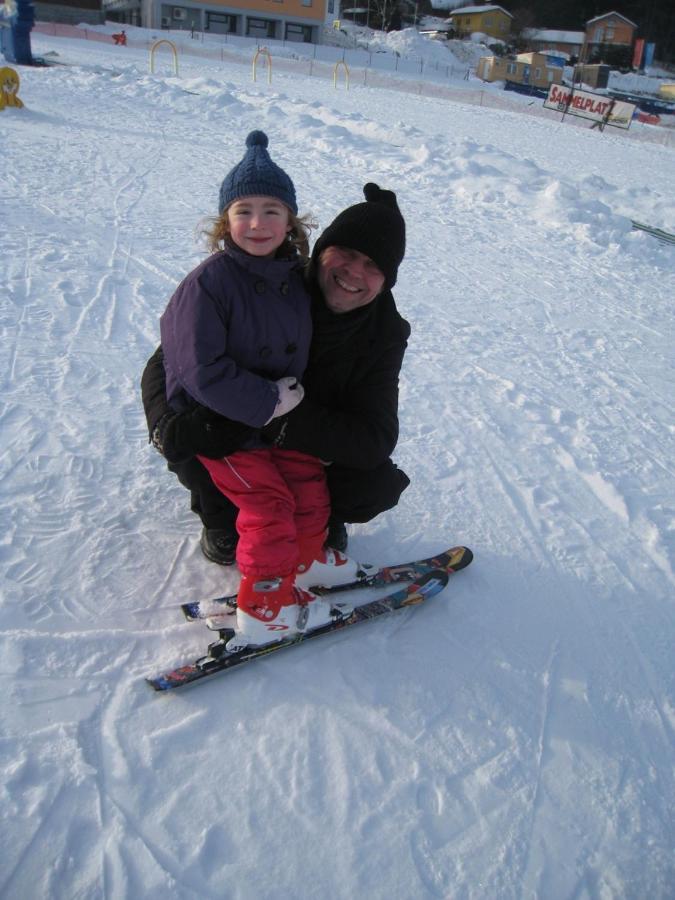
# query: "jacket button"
{"type": "Point", "coordinates": [260, 287]}
{"type": "Point", "coordinates": [284, 289]}
{"type": "Point", "coordinates": [291, 348]}
{"type": "Point", "coordinates": [265, 352]}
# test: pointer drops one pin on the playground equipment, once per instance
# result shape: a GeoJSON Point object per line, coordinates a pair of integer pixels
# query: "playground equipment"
{"type": "Point", "coordinates": [335, 73]}
{"type": "Point", "coordinates": [266, 53]}
{"type": "Point", "coordinates": [153, 49]}
{"type": "Point", "coordinates": [9, 88]}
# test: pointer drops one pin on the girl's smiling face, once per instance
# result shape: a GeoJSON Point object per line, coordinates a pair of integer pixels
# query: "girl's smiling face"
{"type": "Point", "coordinates": [258, 225]}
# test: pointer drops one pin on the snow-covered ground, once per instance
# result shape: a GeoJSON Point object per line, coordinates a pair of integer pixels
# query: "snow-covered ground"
{"type": "Point", "coordinates": [514, 737]}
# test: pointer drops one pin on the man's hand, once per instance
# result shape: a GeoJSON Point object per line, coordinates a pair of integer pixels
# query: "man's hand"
{"type": "Point", "coordinates": [180, 436]}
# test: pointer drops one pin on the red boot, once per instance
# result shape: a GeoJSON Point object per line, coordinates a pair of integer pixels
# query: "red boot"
{"type": "Point", "coordinates": [273, 609]}
{"type": "Point", "coordinates": [267, 611]}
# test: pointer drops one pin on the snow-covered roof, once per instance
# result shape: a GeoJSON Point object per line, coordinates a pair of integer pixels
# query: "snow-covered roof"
{"type": "Point", "coordinates": [555, 37]}
{"type": "Point", "coordinates": [445, 5]}
{"type": "Point", "coordinates": [608, 14]}
{"type": "Point", "coordinates": [469, 10]}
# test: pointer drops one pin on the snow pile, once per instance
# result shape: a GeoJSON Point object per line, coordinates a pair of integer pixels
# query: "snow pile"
{"type": "Point", "coordinates": [512, 738]}
{"type": "Point", "coordinates": [410, 44]}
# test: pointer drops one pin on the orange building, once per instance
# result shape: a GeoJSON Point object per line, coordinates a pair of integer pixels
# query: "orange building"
{"type": "Point", "coordinates": [610, 28]}
{"type": "Point", "coordinates": [282, 20]}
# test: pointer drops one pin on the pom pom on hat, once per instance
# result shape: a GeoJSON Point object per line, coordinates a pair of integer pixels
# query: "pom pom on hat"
{"type": "Point", "coordinates": [375, 228]}
{"type": "Point", "coordinates": [375, 194]}
{"type": "Point", "coordinates": [257, 176]}
{"type": "Point", "coordinates": [257, 139]}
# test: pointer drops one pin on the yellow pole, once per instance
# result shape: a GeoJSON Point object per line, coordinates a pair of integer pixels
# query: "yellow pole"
{"type": "Point", "coordinates": [335, 71]}
{"type": "Point", "coordinates": [154, 47]}
{"type": "Point", "coordinates": [266, 52]}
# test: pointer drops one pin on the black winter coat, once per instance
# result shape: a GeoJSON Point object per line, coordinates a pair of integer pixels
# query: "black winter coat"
{"type": "Point", "coordinates": [349, 415]}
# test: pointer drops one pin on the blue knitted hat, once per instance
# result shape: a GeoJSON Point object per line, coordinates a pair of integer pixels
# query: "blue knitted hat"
{"type": "Point", "coordinates": [257, 176]}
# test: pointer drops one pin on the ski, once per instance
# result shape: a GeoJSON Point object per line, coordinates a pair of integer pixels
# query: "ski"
{"type": "Point", "coordinates": [220, 609]}
{"type": "Point", "coordinates": [218, 659]}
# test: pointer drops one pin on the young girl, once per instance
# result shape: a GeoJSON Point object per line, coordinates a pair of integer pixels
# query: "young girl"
{"type": "Point", "coordinates": [236, 337]}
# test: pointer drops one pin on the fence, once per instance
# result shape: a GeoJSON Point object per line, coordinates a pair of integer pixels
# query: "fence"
{"type": "Point", "coordinates": [316, 60]}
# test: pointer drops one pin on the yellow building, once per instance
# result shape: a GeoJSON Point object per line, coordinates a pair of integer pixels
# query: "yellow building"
{"type": "Point", "coordinates": [492, 20]}
{"type": "Point", "coordinates": [595, 76]}
{"type": "Point", "coordinates": [527, 68]}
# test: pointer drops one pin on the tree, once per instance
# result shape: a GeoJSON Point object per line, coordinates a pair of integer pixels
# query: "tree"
{"type": "Point", "coordinates": [655, 19]}
{"type": "Point", "coordinates": [611, 55]}
{"type": "Point", "coordinates": [523, 19]}
{"type": "Point", "coordinates": [382, 13]}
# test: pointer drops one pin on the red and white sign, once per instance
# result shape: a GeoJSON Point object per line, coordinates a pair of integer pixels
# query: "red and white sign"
{"type": "Point", "coordinates": [598, 107]}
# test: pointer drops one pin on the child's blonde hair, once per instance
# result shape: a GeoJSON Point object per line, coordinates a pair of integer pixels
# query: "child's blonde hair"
{"type": "Point", "coordinates": [217, 231]}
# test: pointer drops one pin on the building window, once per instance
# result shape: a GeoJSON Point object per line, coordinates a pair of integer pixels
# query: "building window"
{"type": "Point", "coordinates": [218, 23]}
{"type": "Point", "coordinates": [306, 2]}
{"type": "Point", "coordinates": [301, 34]}
{"type": "Point", "coordinates": [488, 20]}
{"type": "Point", "coordinates": [511, 69]}
{"type": "Point", "coordinates": [609, 34]}
{"type": "Point", "coordinates": [537, 73]}
{"type": "Point", "coordinates": [260, 28]}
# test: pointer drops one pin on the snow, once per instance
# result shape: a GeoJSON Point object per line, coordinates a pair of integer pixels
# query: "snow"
{"type": "Point", "coordinates": [514, 737]}
{"type": "Point", "coordinates": [410, 44]}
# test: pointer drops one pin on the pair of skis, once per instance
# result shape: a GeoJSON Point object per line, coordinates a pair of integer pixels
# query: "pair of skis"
{"type": "Point", "coordinates": [421, 578]}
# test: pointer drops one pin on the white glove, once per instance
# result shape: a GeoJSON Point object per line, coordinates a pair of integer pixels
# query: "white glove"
{"type": "Point", "coordinates": [291, 393]}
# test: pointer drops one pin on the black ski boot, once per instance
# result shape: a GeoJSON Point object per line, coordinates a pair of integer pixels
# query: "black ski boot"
{"type": "Point", "coordinates": [219, 545]}
{"type": "Point", "coordinates": [337, 536]}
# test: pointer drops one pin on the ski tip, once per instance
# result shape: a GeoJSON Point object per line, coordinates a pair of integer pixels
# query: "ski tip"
{"type": "Point", "coordinates": [158, 684]}
{"type": "Point", "coordinates": [190, 611]}
{"type": "Point", "coordinates": [459, 558]}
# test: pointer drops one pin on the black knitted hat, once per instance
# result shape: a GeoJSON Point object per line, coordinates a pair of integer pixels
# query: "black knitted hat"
{"type": "Point", "coordinates": [375, 228]}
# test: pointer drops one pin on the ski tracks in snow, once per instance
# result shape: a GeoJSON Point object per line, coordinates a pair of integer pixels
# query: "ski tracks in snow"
{"type": "Point", "coordinates": [528, 751]}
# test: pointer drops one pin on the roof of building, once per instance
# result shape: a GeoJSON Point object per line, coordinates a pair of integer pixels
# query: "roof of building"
{"type": "Point", "coordinates": [531, 54]}
{"type": "Point", "coordinates": [469, 10]}
{"type": "Point", "coordinates": [607, 15]}
{"type": "Point", "coordinates": [554, 36]}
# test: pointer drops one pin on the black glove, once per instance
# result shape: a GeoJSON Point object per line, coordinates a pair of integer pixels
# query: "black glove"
{"type": "Point", "coordinates": [180, 436]}
{"type": "Point", "coordinates": [274, 433]}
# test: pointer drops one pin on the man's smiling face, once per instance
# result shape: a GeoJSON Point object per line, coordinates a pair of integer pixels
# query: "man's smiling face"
{"type": "Point", "coordinates": [348, 279]}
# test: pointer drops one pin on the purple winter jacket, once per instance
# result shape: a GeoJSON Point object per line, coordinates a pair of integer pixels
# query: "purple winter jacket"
{"type": "Point", "coordinates": [234, 325]}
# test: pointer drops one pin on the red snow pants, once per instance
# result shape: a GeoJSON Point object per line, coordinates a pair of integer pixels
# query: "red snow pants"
{"type": "Point", "coordinates": [283, 506]}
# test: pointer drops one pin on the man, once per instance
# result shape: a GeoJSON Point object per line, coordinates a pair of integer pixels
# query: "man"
{"type": "Point", "coordinates": [349, 415]}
